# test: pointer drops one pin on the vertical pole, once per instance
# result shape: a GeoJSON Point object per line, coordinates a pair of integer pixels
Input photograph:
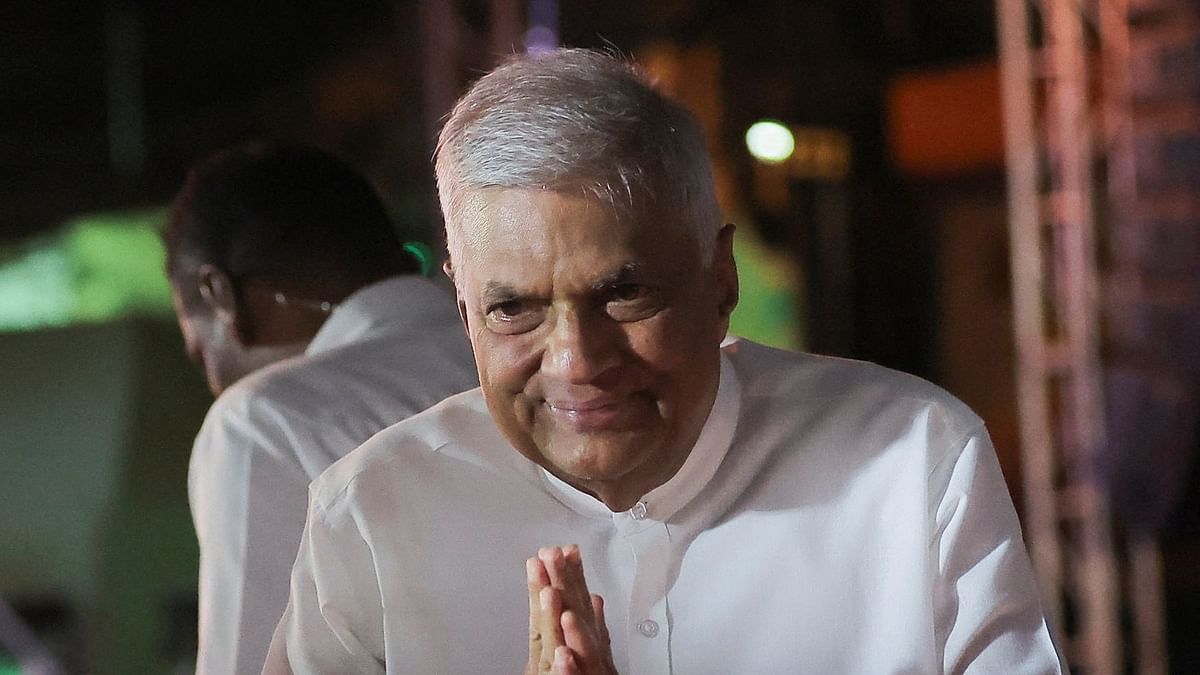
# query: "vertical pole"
{"type": "Point", "coordinates": [1078, 300]}
{"type": "Point", "coordinates": [1145, 580]}
{"type": "Point", "coordinates": [126, 100]}
{"type": "Point", "coordinates": [440, 63]}
{"type": "Point", "coordinates": [1145, 591]}
{"type": "Point", "coordinates": [1029, 316]}
{"type": "Point", "coordinates": [505, 28]}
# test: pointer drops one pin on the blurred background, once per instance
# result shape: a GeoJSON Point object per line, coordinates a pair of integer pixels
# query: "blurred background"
{"type": "Point", "coordinates": [1002, 197]}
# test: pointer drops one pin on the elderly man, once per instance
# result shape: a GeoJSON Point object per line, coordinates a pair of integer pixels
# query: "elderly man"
{"type": "Point", "coordinates": [316, 329]}
{"type": "Point", "coordinates": [737, 511]}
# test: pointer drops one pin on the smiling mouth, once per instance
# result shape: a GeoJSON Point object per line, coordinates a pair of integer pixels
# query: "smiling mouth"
{"type": "Point", "coordinates": [584, 416]}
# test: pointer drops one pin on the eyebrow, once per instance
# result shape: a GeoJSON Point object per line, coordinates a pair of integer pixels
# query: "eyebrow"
{"type": "Point", "coordinates": [495, 291]}
{"type": "Point", "coordinates": [628, 272]}
{"type": "Point", "coordinates": [498, 291]}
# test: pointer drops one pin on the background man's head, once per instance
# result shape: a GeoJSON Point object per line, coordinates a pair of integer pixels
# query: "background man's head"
{"type": "Point", "coordinates": [258, 238]}
{"type": "Point", "coordinates": [592, 270]}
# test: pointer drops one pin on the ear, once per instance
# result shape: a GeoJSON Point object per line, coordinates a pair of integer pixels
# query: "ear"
{"type": "Point", "coordinates": [725, 268]}
{"type": "Point", "coordinates": [448, 270]}
{"type": "Point", "coordinates": [217, 292]}
{"type": "Point", "coordinates": [462, 314]}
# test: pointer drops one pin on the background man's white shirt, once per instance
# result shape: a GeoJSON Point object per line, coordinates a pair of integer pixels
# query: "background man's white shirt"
{"type": "Point", "coordinates": [388, 351]}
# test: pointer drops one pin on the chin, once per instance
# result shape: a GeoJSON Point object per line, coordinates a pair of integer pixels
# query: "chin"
{"type": "Point", "coordinates": [598, 459]}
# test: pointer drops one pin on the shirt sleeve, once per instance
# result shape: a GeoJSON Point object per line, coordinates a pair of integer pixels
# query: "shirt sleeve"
{"type": "Point", "coordinates": [334, 617]}
{"type": "Point", "coordinates": [248, 503]}
{"type": "Point", "coordinates": [989, 617]}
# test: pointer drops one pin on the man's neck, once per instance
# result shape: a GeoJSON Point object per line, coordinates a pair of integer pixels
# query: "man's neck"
{"type": "Point", "coordinates": [621, 495]}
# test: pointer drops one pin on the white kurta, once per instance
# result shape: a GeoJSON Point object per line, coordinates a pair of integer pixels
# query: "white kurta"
{"type": "Point", "coordinates": [389, 350]}
{"type": "Point", "coordinates": [834, 517]}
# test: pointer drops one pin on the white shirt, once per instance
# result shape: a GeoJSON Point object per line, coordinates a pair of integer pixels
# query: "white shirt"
{"type": "Point", "coordinates": [833, 517]}
{"type": "Point", "coordinates": [388, 351]}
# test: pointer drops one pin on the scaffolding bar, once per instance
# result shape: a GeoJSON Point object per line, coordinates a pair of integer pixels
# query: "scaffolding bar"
{"type": "Point", "coordinates": [1029, 316]}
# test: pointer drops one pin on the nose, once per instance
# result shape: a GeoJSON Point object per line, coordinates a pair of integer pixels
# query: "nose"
{"type": "Point", "coordinates": [579, 349]}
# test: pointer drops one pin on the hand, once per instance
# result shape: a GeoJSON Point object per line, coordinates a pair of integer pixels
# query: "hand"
{"type": "Point", "coordinates": [567, 632]}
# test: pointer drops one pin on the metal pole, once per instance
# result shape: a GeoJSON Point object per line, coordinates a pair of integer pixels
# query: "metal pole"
{"type": "Point", "coordinates": [1079, 320]}
{"type": "Point", "coordinates": [506, 32]}
{"type": "Point", "coordinates": [1029, 315]}
{"type": "Point", "coordinates": [126, 100]}
{"type": "Point", "coordinates": [1145, 580]}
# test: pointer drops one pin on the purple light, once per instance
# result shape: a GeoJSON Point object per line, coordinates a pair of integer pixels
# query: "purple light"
{"type": "Point", "coordinates": [540, 40]}
{"type": "Point", "coordinates": [542, 36]}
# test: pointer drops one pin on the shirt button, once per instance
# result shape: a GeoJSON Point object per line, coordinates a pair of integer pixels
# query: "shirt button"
{"type": "Point", "coordinates": [648, 628]}
{"type": "Point", "coordinates": [638, 512]}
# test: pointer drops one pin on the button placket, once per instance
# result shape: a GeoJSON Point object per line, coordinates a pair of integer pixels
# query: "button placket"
{"type": "Point", "coordinates": [648, 627]}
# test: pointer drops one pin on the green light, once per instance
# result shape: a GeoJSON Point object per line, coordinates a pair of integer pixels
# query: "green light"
{"type": "Point", "coordinates": [36, 290]}
{"type": "Point", "coordinates": [423, 253]}
{"type": "Point", "coordinates": [96, 268]}
{"type": "Point", "coordinates": [769, 304]}
{"type": "Point", "coordinates": [120, 260]}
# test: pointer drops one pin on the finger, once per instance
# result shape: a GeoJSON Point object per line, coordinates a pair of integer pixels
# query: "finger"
{"type": "Point", "coordinates": [565, 663]}
{"type": "Point", "coordinates": [565, 569]}
{"type": "Point", "coordinates": [601, 623]}
{"type": "Point", "coordinates": [550, 600]}
{"type": "Point", "coordinates": [535, 577]}
{"type": "Point", "coordinates": [552, 559]}
{"type": "Point", "coordinates": [577, 597]}
{"type": "Point", "coordinates": [582, 638]}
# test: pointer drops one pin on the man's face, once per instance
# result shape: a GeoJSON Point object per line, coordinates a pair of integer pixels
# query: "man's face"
{"type": "Point", "coordinates": [597, 339]}
{"type": "Point", "coordinates": [209, 343]}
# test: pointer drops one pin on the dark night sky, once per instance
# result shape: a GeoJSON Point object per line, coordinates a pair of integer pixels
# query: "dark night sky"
{"type": "Point", "coordinates": [214, 72]}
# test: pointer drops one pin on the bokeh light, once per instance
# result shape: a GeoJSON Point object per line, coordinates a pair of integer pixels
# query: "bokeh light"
{"type": "Point", "coordinates": [770, 141]}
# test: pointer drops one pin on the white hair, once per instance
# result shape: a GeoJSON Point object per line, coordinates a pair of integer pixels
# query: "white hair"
{"type": "Point", "coordinates": [576, 120]}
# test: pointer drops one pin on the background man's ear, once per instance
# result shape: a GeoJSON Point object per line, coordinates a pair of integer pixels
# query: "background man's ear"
{"type": "Point", "coordinates": [218, 293]}
{"type": "Point", "coordinates": [216, 289]}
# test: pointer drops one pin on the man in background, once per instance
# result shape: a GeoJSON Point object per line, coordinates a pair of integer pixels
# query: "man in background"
{"type": "Point", "coordinates": [314, 330]}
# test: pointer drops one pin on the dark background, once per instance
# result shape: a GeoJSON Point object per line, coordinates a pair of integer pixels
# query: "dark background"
{"type": "Point", "coordinates": [104, 105]}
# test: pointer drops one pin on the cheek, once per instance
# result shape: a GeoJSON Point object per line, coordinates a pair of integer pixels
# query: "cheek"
{"type": "Point", "coordinates": [665, 344]}
{"type": "Point", "coordinates": [505, 363]}
{"type": "Point", "coordinates": [504, 375]}
{"type": "Point", "coordinates": [678, 357]}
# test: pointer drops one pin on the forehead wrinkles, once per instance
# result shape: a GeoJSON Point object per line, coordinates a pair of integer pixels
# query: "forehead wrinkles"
{"type": "Point", "coordinates": [527, 220]}
{"type": "Point", "coordinates": [510, 235]}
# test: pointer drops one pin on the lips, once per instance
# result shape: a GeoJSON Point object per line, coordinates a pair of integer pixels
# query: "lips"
{"type": "Point", "coordinates": [587, 415]}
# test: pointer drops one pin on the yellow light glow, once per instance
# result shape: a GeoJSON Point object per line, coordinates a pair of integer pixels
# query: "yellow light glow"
{"type": "Point", "coordinates": [769, 141]}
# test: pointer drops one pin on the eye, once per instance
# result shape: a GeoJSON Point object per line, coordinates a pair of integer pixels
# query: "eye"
{"type": "Point", "coordinates": [514, 316]}
{"type": "Point", "coordinates": [628, 292]}
{"type": "Point", "coordinates": [508, 309]}
{"type": "Point", "coordinates": [631, 302]}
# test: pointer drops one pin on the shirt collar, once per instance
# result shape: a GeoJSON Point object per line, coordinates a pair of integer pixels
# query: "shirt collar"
{"type": "Point", "coordinates": [698, 469]}
{"type": "Point", "coordinates": [409, 299]}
